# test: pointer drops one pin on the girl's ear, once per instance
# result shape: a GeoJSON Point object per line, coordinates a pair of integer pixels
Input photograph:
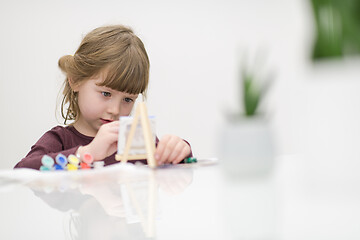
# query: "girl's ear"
{"type": "Point", "coordinates": [74, 86]}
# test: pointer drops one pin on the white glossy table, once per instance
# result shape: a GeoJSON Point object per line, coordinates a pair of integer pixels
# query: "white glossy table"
{"type": "Point", "coordinates": [199, 202]}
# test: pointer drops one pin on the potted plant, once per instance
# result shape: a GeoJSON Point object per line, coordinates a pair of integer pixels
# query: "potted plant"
{"type": "Point", "coordinates": [246, 143]}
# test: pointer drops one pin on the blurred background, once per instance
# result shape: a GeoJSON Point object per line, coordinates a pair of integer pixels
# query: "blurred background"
{"type": "Point", "coordinates": [196, 50]}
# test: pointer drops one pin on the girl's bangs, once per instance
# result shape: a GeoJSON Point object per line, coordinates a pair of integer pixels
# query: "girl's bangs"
{"type": "Point", "coordinates": [127, 77]}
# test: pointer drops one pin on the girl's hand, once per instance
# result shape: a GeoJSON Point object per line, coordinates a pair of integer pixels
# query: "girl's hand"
{"type": "Point", "coordinates": [171, 149]}
{"type": "Point", "coordinates": [105, 142]}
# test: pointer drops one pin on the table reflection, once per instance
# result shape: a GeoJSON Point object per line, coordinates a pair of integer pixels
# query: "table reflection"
{"type": "Point", "coordinates": [114, 203]}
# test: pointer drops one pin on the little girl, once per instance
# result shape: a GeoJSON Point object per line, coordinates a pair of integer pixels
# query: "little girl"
{"type": "Point", "coordinates": [103, 79]}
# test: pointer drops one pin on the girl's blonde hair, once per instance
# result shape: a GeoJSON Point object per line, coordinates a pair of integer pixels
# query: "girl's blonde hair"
{"type": "Point", "coordinates": [114, 51]}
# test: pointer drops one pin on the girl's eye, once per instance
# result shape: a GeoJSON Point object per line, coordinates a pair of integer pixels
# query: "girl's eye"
{"type": "Point", "coordinates": [106, 94]}
{"type": "Point", "coordinates": [128, 100]}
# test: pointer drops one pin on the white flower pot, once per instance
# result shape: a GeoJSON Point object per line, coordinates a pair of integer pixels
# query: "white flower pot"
{"type": "Point", "coordinates": [246, 147]}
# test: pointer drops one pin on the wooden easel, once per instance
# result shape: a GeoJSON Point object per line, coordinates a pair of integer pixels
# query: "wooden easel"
{"type": "Point", "coordinates": [140, 113]}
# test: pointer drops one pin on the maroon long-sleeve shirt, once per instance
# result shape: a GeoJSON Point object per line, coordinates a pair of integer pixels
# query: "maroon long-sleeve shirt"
{"type": "Point", "coordinates": [65, 140]}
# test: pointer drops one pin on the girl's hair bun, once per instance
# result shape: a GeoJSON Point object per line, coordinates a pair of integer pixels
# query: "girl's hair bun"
{"type": "Point", "coordinates": [66, 63]}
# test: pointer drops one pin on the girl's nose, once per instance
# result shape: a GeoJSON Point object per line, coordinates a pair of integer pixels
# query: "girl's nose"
{"type": "Point", "coordinates": [114, 109]}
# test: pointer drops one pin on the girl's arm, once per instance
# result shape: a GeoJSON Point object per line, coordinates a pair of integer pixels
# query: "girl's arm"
{"type": "Point", "coordinates": [51, 143]}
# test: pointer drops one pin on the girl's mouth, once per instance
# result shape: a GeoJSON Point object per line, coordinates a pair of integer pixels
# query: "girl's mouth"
{"type": "Point", "coordinates": [104, 121]}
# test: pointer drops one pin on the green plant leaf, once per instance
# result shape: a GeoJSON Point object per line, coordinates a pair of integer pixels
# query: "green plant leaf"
{"type": "Point", "coordinates": [251, 94]}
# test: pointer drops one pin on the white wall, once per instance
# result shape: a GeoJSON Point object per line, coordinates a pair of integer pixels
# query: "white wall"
{"type": "Point", "coordinates": [194, 49]}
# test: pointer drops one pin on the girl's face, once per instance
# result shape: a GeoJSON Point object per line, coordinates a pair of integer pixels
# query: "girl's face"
{"type": "Point", "coordinates": [100, 105]}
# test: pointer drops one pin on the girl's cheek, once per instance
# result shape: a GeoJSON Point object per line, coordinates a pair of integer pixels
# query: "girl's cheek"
{"type": "Point", "coordinates": [126, 109]}
{"type": "Point", "coordinates": [90, 106]}
{"type": "Point", "coordinates": [89, 111]}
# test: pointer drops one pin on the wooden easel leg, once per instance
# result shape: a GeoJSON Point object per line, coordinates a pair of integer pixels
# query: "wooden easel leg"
{"type": "Point", "coordinates": [148, 136]}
